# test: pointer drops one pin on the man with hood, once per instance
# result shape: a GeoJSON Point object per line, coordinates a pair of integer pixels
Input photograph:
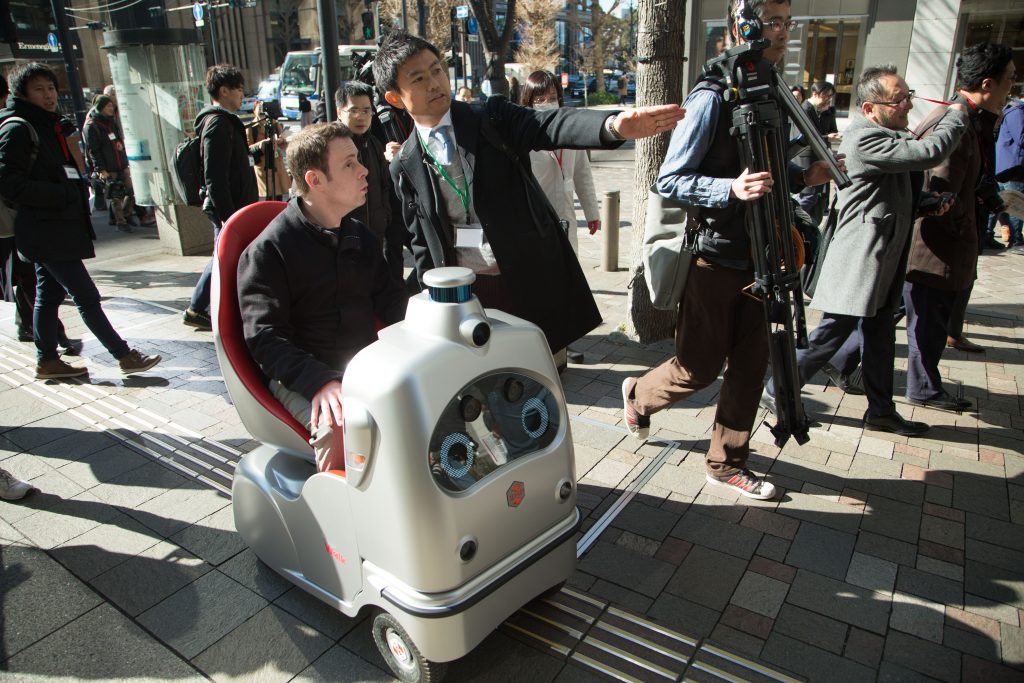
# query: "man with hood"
{"type": "Point", "coordinates": [228, 181]}
{"type": "Point", "coordinates": [39, 174]}
{"type": "Point", "coordinates": [354, 102]}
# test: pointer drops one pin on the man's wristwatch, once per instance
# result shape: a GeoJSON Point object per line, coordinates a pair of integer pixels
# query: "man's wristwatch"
{"type": "Point", "coordinates": [609, 125]}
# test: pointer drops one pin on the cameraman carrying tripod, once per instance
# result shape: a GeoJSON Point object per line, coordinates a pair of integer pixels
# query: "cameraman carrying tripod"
{"type": "Point", "coordinates": [719, 322]}
{"type": "Point", "coordinates": [266, 144]}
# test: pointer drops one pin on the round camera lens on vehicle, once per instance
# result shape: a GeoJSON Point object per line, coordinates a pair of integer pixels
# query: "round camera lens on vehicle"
{"type": "Point", "coordinates": [513, 390]}
{"type": "Point", "coordinates": [481, 334]}
{"type": "Point", "coordinates": [467, 550]}
{"type": "Point", "coordinates": [470, 408]}
{"type": "Point", "coordinates": [535, 418]}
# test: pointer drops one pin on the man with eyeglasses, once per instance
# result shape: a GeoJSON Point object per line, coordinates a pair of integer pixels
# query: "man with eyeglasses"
{"type": "Point", "coordinates": [354, 102]}
{"type": "Point", "coordinates": [718, 323]}
{"type": "Point", "coordinates": [944, 250]}
{"type": "Point", "coordinates": [862, 275]}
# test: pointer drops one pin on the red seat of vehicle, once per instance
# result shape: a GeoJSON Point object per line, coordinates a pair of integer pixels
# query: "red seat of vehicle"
{"type": "Point", "coordinates": [246, 384]}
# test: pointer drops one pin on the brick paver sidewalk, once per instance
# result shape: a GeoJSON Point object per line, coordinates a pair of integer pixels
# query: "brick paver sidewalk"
{"type": "Point", "coordinates": [883, 559]}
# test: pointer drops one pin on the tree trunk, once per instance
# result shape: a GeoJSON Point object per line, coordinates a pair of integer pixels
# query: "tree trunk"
{"type": "Point", "coordinates": [659, 80]}
{"type": "Point", "coordinates": [496, 45]}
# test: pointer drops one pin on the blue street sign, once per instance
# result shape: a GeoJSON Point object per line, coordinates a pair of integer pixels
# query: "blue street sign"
{"type": "Point", "coordinates": [472, 26]}
{"type": "Point", "coordinates": [197, 11]}
{"type": "Point", "coordinates": [51, 40]}
{"type": "Point", "coordinates": [462, 12]}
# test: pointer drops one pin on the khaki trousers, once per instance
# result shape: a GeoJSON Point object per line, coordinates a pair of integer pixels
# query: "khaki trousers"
{"type": "Point", "coordinates": [322, 436]}
{"type": "Point", "coordinates": [718, 325]}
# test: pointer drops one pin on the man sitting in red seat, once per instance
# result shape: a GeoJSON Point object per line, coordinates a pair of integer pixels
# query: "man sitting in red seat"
{"type": "Point", "coordinates": [313, 284]}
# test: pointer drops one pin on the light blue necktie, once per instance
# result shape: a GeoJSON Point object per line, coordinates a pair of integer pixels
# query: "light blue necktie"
{"type": "Point", "coordinates": [446, 145]}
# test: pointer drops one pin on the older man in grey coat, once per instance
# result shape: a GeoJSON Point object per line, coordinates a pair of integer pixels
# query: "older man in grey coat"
{"type": "Point", "coordinates": [862, 276]}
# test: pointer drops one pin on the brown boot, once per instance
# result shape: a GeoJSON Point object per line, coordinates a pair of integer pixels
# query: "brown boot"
{"type": "Point", "coordinates": [137, 362]}
{"type": "Point", "coordinates": [58, 369]}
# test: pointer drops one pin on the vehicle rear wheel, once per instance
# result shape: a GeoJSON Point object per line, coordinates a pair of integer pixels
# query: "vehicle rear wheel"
{"type": "Point", "coordinates": [401, 654]}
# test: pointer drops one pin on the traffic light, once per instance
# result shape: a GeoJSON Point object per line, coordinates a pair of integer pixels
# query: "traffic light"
{"type": "Point", "coordinates": [368, 30]}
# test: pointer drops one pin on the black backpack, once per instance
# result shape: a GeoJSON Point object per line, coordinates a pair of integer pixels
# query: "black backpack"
{"type": "Point", "coordinates": [187, 175]}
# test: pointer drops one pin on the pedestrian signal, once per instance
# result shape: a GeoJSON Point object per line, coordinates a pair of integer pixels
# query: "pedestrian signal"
{"type": "Point", "coordinates": [368, 29]}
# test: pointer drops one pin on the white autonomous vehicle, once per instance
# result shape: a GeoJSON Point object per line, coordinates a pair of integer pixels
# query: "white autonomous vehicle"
{"type": "Point", "coordinates": [457, 502]}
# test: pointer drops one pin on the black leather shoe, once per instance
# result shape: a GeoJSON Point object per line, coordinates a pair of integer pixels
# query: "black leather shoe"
{"type": "Point", "coordinates": [894, 424]}
{"type": "Point", "coordinates": [944, 401]}
{"type": "Point", "coordinates": [844, 382]}
{"type": "Point", "coordinates": [991, 243]}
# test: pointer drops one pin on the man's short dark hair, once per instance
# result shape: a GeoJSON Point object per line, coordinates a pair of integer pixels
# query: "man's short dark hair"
{"type": "Point", "coordinates": [223, 76]}
{"type": "Point", "coordinates": [869, 87]}
{"type": "Point", "coordinates": [307, 150]}
{"type": "Point", "coordinates": [352, 89]}
{"type": "Point", "coordinates": [19, 78]}
{"type": "Point", "coordinates": [822, 88]}
{"type": "Point", "coordinates": [395, 51]}
{"type": "Point", "coordinates": [754, 7]}
{"type": "Point", "coordinates": [980, 61]}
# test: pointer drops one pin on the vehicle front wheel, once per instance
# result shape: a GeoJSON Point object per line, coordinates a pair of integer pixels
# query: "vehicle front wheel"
{"type": "Point", "coordinates": [401, 654]}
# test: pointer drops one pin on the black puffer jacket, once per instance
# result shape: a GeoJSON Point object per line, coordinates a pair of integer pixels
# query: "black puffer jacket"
{"type": "Point", "coordinates": [230, 181]}
{"type": "Point", "coordinates": [53, 216]}
{"type": "Point", "coordinates": [104, 153]}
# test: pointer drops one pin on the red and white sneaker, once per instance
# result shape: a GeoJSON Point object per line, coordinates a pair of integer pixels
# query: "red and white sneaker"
{"type": "Point", "coordinates": [638, 425]}
{"type": "Point", "coordinates": [746, 483]}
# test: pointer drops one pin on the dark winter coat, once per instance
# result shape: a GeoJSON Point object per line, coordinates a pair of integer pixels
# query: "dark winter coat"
{"type": "Point", "coordinates": [53, 214]}
{"type": "Point", "coordinates": [104, 153]}
{"type": "Point", "coordinates": [541, 275]}
{"type": "Point", "coordinates": [304, 324]}
{"type": "Point", "coordinates": [944, 249]}
{"type": "Point", "coordinates": [230, 183]}
{"type": "Point", "coordinates": [380, 213]}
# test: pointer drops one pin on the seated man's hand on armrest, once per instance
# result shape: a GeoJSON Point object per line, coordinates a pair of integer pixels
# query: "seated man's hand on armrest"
{"type": "Point", "coordinates": [327, 403]}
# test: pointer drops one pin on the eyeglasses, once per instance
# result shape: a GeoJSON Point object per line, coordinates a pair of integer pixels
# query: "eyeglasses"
{"type": "Point", "coordinates": [897, 102]}
{"type": "Point", "coordinates": [359, 111]}
{"type": "Point", "coordinates": [778, 25]}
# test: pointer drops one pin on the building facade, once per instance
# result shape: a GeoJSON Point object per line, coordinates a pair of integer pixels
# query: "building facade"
{"type": "Point", "coordinates": [837, 39]}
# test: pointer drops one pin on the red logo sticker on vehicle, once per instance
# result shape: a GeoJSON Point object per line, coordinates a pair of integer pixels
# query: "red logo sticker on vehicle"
{"type": "Point", "coordinates": [515, 494]}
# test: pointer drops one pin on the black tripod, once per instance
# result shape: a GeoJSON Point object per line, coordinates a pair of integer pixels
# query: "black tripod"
{"type": "Point", "coordinates": [760, 128]}
{"type": "Point", "coordinates": [268, 160]}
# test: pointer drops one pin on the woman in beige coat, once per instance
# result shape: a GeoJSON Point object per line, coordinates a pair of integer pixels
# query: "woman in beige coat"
{"type": "Point", "coordinates": [272, 179]}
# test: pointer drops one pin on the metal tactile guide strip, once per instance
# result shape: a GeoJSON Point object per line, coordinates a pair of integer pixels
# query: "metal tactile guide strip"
{"type": "Point", "coordinates": [624, 647]}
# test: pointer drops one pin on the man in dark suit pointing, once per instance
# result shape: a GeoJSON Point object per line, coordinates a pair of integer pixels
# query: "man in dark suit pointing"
{"type": "Point", "coordinates": [468, 195]}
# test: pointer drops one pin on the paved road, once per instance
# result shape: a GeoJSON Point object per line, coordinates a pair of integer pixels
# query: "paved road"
{"type": "Point", "coordinates": [883, 559]}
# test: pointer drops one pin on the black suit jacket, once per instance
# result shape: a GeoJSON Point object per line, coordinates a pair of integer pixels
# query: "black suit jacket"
{"type": "Point", "coordinates": [541, 276]}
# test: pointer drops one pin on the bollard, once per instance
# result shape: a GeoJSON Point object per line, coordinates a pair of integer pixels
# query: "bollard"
{"type": "Point", "coordinates": [610, 228]}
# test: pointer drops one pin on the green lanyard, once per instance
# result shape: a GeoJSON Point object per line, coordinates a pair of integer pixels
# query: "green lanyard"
{"type": "Point", "coordinates": [463, 193]}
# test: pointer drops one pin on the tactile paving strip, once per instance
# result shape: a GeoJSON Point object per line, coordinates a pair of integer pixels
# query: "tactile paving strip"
{"type": "Point", "coordinates": [621, 646]}
{"type": "Point", "coordinates": [184, 450]}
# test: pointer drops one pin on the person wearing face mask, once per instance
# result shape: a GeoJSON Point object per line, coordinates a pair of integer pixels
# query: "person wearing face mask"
{"type": "Point", "coordinates": [561, 172]}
